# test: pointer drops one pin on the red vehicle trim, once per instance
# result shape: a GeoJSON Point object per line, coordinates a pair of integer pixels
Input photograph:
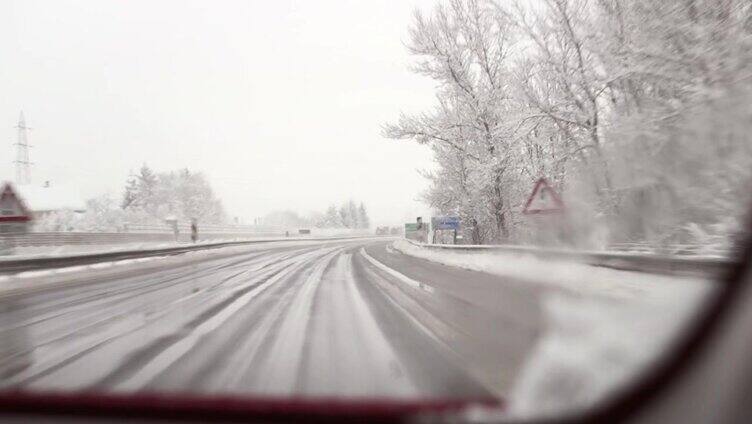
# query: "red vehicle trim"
{"type": "Point", "coordinates": [14, 218]}
{"type": "Point", "coordinates": [225, 408]}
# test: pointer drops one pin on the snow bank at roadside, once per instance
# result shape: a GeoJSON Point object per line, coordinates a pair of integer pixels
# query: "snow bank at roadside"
{"type": "Point", "coordinates": [23, 252]}
{"type": "Point", "coordinates": [574, 278]}
{"type": "Point", "coordinates": [603, 326]}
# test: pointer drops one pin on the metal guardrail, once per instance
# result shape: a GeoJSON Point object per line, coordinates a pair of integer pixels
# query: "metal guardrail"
{"type": "Point", "coordinates": [13, 266]}
{"type": "Point", "coordinates": [706, 267]}
{"type": "Point", "coordinates": [672, 249]}
{"type": "Point", "coordinates": [84, 238]}
{"type": "Point", "coordinates": [76, 238]}
{"type": "Point", "coordinates": [204, 228]}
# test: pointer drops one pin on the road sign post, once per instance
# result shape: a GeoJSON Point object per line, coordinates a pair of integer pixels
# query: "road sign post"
{"type": "Point", "coordinates": [545, 209]}
{"type": "Point", "coordinates": [411, 226]}
{"type": "Point", "coordinates": [411, 231]}
{"type": "Point", "coordinates": [444, 223]}
{"type": "Point", "coordinates": [416, 230]}
{"type": "Point", "coordinates": [543, 200]}
{"type": "Point", "coordinates": [172, 221]}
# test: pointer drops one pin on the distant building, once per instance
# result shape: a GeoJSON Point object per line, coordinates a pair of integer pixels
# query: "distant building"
{"type": "Point", "coordinates": [52, 198]}
{"type": "Point", "coordinates": [53, 207]}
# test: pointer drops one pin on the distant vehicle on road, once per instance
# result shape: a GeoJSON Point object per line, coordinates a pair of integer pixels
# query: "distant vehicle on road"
{"type": "Point", "coordinates": [382, 231]}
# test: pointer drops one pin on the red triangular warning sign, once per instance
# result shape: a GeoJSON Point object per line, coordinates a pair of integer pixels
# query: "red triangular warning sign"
{"type": "Point", "coordinates": [10, 199]}
{"type": "Point", "coordinates": [543, 199]}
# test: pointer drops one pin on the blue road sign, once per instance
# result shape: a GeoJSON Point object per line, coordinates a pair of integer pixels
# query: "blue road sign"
{"type": "Point", "coordinates": [445, 222]}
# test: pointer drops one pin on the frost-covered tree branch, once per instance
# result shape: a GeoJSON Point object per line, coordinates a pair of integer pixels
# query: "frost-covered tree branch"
{"type": "Point", "coordinates": [621, 105]}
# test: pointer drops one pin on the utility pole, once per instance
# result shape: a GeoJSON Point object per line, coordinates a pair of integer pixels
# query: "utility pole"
{"type": "Point", "coordinates": [23, 166]}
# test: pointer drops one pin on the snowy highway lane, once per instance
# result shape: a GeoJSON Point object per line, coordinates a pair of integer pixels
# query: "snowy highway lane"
{"type": "Point", "coordinates": [348, 318]}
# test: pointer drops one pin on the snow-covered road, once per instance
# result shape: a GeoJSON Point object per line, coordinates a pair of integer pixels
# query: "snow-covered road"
{"type": "Point", "coordinates": [338, 318]}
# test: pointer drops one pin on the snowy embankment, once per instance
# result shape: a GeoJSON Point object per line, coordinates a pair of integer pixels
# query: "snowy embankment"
{"type": "Point", "coordinates": [603, 326]}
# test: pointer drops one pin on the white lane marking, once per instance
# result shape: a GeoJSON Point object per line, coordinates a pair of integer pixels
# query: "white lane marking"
{"type": "Point", "coordinates": [407, 313]}
{"type": "Point", "coordinates": [33, 274]}
{"type": "Point", "coordinates": [426, 321]}
{"type": "Point", "coordinates": [402, 277]}
{"type": "Point", "coordinates": [367, 340]}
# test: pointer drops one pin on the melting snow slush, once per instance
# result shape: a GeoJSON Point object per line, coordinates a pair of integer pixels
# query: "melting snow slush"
{"type": "Point", "coordinates": [603, 326]}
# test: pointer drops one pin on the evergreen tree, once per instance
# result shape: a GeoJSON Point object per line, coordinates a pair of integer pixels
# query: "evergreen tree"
{"type": "Point", "coordinates": [147, 185]}
{"type": "Point", "coordinates": [332, 218]}
{"type": "Point", "coordinates": [363, 219]}
{"type": "Point", "coordinates": [352, 211]}
{"type": "Point", "coordinates": [344, 216]}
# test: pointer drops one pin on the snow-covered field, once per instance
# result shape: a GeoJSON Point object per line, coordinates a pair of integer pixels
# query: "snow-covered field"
{"type": "Point", "coordinates": [604, 326]}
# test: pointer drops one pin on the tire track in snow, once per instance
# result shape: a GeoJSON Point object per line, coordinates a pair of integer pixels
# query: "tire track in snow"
{"type": "Point", "coordinates": [348, 354]}
{"type": "Point", "coordinates": [279, 370]}
{"type": "Point", "coordinates": [86, 317]}
{"type": "Point", "coordinates": [393, 297]}
{"type": "Point", "coordinates": [82, 364]}
{"type": "Point", "coordinates": [175, 351]}
{"type": "Point", "coordinates": [241, 346]}
{"type": "Point", "coordinates": [109, 292]}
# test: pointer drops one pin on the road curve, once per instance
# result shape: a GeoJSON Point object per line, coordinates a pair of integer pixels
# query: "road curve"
{"type": "Point", "coordinates": [350, 318]}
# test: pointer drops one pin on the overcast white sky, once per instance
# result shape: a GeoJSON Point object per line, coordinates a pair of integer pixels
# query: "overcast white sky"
{"type": "Point", "coordinates": [279, 103]}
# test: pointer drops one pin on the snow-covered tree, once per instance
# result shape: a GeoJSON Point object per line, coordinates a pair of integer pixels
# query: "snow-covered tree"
{"type": "Point", "coordinates": [363, 220]}
{"type": "Point", "coordinates": [464, 47]}
{"type": "Point", "coordinates": [151, 197]}
{"type": "Point", "coordinates": [102, 215]}
{"type": "Point", "coordinates": [147, 186]}
{"type": "Point", "coordinates": [332, 218]}
{"type": "Point", "coordinates": [635, 111]}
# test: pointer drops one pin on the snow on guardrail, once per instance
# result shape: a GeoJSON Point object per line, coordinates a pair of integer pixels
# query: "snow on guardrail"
{"type": "Point", "coordinates": [602, 326]}
{"type": "Point", "coordinates": [628, 261]}
{"type": "Point", "coordinates": [154, 235]}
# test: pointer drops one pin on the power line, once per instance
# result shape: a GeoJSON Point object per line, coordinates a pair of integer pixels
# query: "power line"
{"type": "Point", "coordinates": [23, 166]}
